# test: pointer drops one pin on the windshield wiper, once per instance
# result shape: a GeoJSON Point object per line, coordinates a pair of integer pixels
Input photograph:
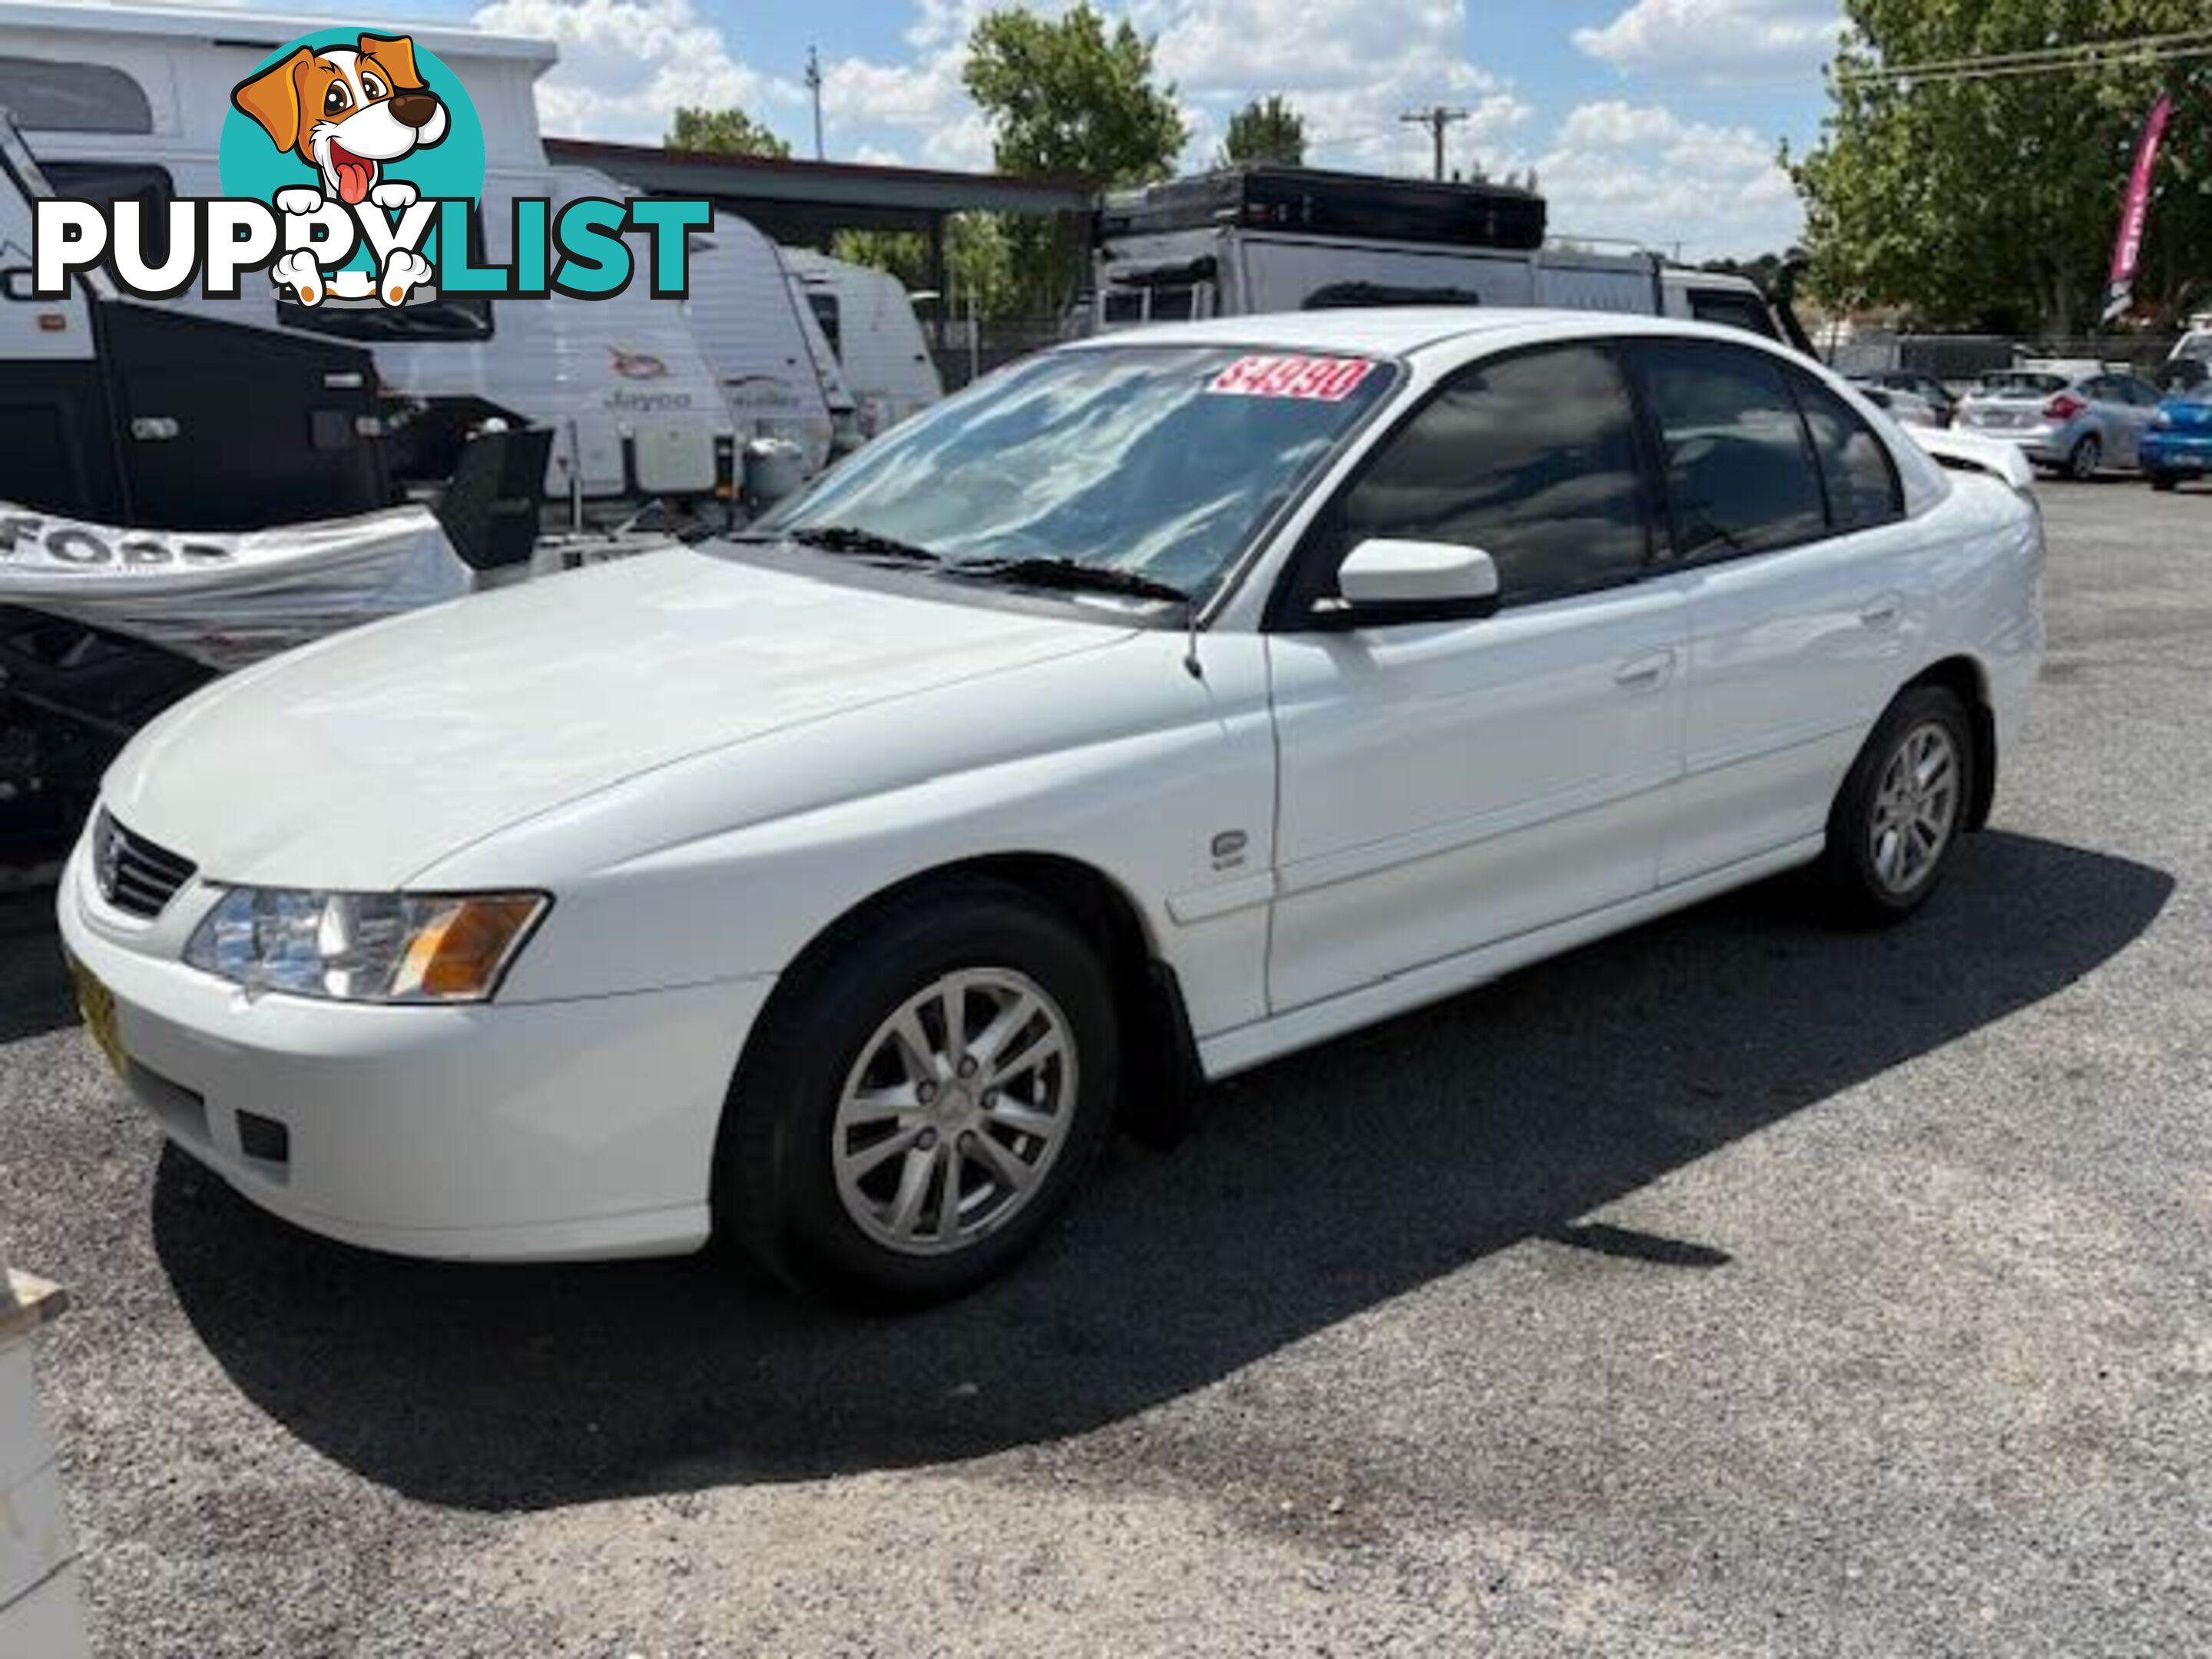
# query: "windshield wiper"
{"type": "Point", "coordinates": [1069, 576]}
{"type": "Point", "coordinates": [850, 538]}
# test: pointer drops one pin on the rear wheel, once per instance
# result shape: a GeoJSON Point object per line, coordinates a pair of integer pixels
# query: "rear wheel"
{"type": "Point", "coordinates": [1898, 815]}
{"type": "Point", "coordinates": [921, 1104]}
{"type": "Point", "coordinates": [2084, 458]}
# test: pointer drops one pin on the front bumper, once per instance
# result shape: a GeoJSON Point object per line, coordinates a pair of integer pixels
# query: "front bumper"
{"type": "Point", "coordinates": [548, 1131]}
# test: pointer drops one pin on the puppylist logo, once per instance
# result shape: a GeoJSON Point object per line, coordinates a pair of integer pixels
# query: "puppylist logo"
{"type": "Point", "coordinates": [352, 166]}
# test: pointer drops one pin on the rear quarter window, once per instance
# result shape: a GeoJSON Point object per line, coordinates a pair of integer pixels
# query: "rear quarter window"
{"type": "Point", "coordinates": [1858, 475]}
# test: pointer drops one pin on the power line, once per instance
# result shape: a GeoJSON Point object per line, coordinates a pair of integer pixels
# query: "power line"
{"type": "Point", "coordinates": [1436, 120]}
{"type": "Point", "coordinates": [2046, 60]}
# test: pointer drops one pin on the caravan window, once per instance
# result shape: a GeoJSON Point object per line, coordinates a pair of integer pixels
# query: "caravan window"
{"type": "Point", "coordinates": [45, 96]}
{"type": "Point", "coordinates": [1179, 302]}
{"type": "Point", "coordinates": [823, 304]}
{"type": "Point", "coordinates": [1174, 304]}
{"type": "Point", "coordinates": [151, 187]}
{"type": "Point", "coordinates": [1732, 308]}
{"type": "Point", "coordinates": [448, 317]}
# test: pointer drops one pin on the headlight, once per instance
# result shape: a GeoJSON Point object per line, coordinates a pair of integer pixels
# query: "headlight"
{"type": "Point", "coordinates": [365, 947]}
{"type": "Point", "coordinates": [2162, 420]}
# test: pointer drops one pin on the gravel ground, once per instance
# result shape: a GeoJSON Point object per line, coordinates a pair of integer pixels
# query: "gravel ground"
{"type": "Point", "coordinates": [1734, 1287]}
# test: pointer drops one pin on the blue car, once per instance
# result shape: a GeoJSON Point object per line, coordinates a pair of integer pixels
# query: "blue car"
{"type": "Point", "coordinates": [2179, 442]}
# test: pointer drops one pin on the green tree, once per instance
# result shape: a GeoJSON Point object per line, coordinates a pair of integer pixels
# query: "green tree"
{"type": "Point", "coordinates": [1994, 200]}
{"type": "Point", "coordinates": [979, 253]}
{"type": "Point", "coordinates": [724, 132]}
{"type": "Point", "coordinates": [1265, 130]}
{"type": "Point", "coordinates": [1067, 99]}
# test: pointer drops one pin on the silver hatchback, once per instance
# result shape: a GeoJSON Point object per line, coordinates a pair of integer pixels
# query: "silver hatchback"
{"type": "Point", "coordinates": [2076, 424]}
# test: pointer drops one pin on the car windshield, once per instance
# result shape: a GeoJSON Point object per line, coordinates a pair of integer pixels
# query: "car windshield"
{"type": "Point", "coordinates": [1160, 461]}
{"type": "Point", "coordinates": [2198, 346]}
{"type": "Point", "coordinates": [2020, 385]}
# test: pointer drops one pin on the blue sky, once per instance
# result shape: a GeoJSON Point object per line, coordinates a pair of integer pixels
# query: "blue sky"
{"type": "Point", "coordinates": [1652, 119]}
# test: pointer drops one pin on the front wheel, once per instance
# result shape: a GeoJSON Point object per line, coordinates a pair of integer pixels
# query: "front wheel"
{"type": "Point", "coordinates": [2085, 459]}
{"type": "Point", "coordinates": [921, 1103]}
{"type": "Point", "coordinates": [2163, 481]}
{"type": "Point", "coordinates": [1898, 815]}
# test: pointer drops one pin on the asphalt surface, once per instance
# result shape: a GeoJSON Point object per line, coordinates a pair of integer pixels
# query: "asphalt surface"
{"type": "Point", "coordinates": [1733, 1287]}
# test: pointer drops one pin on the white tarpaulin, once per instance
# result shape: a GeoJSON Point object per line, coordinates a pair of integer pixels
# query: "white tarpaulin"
{"type": "Point", "coordinates": [227, 597]}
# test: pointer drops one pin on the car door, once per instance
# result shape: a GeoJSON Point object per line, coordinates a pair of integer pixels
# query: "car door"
{"type": "Point", "coordinates": [1443, 785]}
{"type": "Point", "coordinates": [1787, 516]}
{"type": "Point", "coordinates": [2110, 418]}
{"type": "Point", "coordinates": [2142, 399]}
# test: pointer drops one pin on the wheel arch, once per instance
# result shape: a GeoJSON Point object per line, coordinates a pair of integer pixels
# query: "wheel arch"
{"type": "Point", "coordinates": [1966, 679]}
{"type": "Point", "coordinates": [1160, 1066]}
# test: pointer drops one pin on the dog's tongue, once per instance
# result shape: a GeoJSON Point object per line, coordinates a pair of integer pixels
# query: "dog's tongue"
{"type": "Point", "coordinates": [354, 176]}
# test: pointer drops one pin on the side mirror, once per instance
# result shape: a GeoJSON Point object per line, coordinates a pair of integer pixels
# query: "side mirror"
{"type": "Point", "coordinates": [1382, 581]}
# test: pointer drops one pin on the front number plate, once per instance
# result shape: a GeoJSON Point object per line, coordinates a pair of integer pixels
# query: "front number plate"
{"type": "Point", "coordinates": [97, 1004]}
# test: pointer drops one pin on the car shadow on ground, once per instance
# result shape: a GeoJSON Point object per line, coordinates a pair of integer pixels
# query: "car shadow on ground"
{"type": "Point", "coordinates": [1314, 1189]}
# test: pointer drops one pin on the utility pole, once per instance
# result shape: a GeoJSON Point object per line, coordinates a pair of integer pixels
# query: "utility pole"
{"type": "Point", "coordinates": [814, 85]}
{"type": "Point", "coordinates": [1436, 120]}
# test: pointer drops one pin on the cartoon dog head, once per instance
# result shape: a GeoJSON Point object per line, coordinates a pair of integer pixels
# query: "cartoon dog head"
{"type": "Point", "coordinates": [346, 113]}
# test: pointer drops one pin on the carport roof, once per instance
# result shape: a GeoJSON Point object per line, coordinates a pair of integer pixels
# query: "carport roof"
{"type": "Point", "coordinates": [839, 194]}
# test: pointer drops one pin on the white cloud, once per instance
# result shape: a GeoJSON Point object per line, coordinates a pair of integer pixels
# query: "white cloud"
{"type": "Point", "coordinates": [1612, 168]}
{"type": "Point", "coordinates": [1640, 171]}
{"type": "Point", "coordinates": [1716, 40]}
{"type": "Point", "coordinates": [626, 66]}
{"type": "Point", "coordinates": [1349, 66]}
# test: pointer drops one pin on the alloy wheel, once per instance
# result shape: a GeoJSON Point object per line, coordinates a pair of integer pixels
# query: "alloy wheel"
{"type": "Point", "coordinates": [1915, 808]}
{"type": "Point", "coordinates": [957, 1109]}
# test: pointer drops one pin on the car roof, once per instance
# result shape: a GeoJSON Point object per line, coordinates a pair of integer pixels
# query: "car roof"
{"type": "Point", "coordinates": [1404, 331]}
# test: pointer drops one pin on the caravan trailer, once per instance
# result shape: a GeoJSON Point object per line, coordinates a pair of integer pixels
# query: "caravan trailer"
{"type": "Point", "coordinates": [869, 320]}
{"type": "Point", "coordinates": [776, 374]}
{"type": "Point", "coordinates": [121, 101]}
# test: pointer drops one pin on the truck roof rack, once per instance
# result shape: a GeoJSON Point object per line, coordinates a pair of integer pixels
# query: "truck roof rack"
{"type": "Point", "coordinates": [1314, 202]}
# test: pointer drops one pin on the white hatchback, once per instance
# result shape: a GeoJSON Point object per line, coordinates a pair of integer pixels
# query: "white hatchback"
{"type": "Point", "coordinates": [1157, 707]}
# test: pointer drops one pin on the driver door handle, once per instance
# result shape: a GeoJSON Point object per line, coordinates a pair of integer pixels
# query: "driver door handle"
{"type": "Point", "coordinates": [1643, 673]}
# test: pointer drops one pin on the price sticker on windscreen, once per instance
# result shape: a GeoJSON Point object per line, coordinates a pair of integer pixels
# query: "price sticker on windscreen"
{"type": "Point", "coordinates": [1308, 379]}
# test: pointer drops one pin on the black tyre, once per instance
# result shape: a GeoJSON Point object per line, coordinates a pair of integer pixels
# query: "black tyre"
{"type": "Point", "coordinates": [920, 1102]}
{"type": "Point", "coordinates": [1902, 809]}
{"type": "Point", "coordinates": [2164, 480]}
{"type": "Point", "coordinates": [2085, 459]}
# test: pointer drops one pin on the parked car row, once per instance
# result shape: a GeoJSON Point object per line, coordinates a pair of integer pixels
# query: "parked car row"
{"type": "Point", "coordinates": [2076, 418]}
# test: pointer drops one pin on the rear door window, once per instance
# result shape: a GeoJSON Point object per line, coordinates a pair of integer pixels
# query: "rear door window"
{"type": "Point", "coordinates": [1741, 477]}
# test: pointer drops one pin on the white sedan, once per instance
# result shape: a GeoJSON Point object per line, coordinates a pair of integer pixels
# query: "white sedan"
{"type": "Point", "coordinates": [1160, 705]}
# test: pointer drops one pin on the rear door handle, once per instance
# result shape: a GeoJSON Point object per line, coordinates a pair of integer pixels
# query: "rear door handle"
{"type": "Point", "coordinates": [1882, 612]}
{"type": "Point", "coordinates": [1642, 673]}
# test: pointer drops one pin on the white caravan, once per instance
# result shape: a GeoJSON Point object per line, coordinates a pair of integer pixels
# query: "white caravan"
{"type": "Point", "coordinates": [774, 371]}
{"type": "Point", "coordinates": [869, 322]}
{"type": "Point", "coordinates": [116, 100]}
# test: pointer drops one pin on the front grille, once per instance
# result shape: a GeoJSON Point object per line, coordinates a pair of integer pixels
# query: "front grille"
{"type": "Point", "coordinates": [135, 876]}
